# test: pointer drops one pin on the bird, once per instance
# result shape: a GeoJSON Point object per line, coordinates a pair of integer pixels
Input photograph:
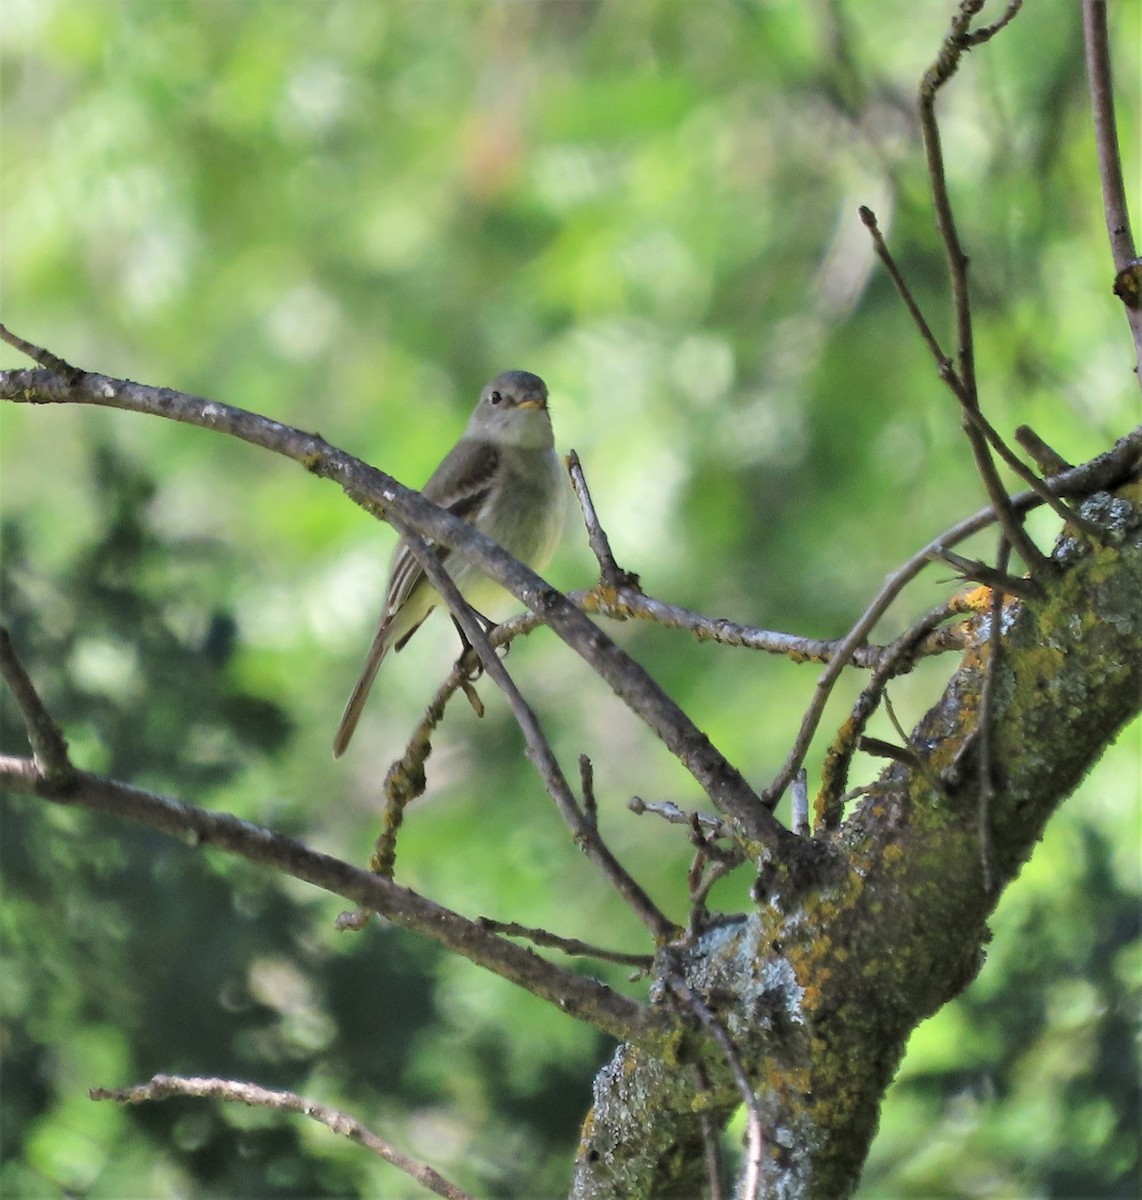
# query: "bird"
{"type": "Point", "coordinates": [504, 478]}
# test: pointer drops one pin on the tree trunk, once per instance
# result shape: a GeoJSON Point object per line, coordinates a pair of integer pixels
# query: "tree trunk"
{"type": "Point", "coordinates": [885, 920]}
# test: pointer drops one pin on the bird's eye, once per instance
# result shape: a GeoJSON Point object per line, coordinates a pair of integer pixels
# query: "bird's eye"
{"type": "Point", "coordinates": [495, 397]}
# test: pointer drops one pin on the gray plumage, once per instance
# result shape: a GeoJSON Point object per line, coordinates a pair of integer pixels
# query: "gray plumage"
{"type": "Point", "coordinates": [504, 478]}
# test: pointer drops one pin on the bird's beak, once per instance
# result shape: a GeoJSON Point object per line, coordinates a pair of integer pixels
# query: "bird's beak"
{"type": "Point", "coordinates": [533, 402]}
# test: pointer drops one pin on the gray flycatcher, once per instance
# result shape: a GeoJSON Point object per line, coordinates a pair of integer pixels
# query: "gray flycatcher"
{"type": "Point", "coordinates": [502, 477]}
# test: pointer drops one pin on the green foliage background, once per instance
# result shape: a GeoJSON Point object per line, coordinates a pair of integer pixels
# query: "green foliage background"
{"type": "Point", "coordinates": [348, 215]}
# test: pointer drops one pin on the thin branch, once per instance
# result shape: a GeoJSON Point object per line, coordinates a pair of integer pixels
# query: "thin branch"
{"type": "Point", "coordinates": [539, 751]}
{"type": "Point", "coordinates": [946, 368]}
{"type": "Point", "coordinates": [799, 802]}
{"type": "Point", "coordinates": [669, 811]}
{"type": "Point", "coordinates": [701, 887]}
{"type": "Point", "coordinates": [38, 354]}
{"type": "Point", "coordinates": [383, 496]}
{"type": "Point", "coordinates": [48, 744]}
{"type": "Point", "coordinates": [570, 946]}
{"type": "Point", "coordinates": [611, 575]}
{"type": "Point", "coordinates": [1028, 476]}
{"type": "Point", "coordinates": [1096, 41]}
{"type": "Point", "coordinates": [986, 774]}
{"type": "Point", "coordinates": [947, 62]}
{"type": "Point", "coordinates": [919, 763]}
{"type": "Point", "coordinates": [879, 748]}
{"type": "Point", "coordinates": [1128, 269]}
{"type": "Point", "coordinates": [587, 787]}
{"type": "Point", "coordinates": [1045, 457]}
{"type": "Point", "coordinates": [162, 1087]}
{"type": "Point", "coordinates": [755, 1135]}
{"type": "Point", "coordinates": [585, 999]}
{"type": "Point", "coordinates": [978, 572]}
{"type": "Point", "coordinates": [977, 37]}
{"type": "Point", "coordinates": [625, 603]}
{"type": "Point", "coordinates": [710, 1142]}
{"type": "Point", "coordinates": [838, 758]}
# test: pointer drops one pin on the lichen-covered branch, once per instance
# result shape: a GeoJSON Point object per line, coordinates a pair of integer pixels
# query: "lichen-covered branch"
{"type": "Point", "coordinates": [820, 988]}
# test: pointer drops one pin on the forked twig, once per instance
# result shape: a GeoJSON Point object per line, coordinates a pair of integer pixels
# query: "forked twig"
{"type": "Point", "coordinates": [958, 41]}
{"type": "Point", "coordinates": [48, 744]}
{"type": "Point", "coordinates": [539, 751]}
{"type": "Point", "coordinates": [162, 1087]}
{"type": "Point", "coordinates": [977, 572]}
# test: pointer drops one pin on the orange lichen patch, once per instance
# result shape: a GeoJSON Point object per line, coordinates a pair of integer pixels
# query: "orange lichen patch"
{"type": "Point", "coordinates": [977, 599]}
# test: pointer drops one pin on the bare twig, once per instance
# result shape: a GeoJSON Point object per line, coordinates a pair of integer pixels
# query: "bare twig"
{"type": "Point", "coordinates": [977, 572]}
{"type": "Point", "coordinates": [570, 946]}
{"type": "Point", "coordinates": [977, 37]}
{"type": "Point", "coordinates": [986, 775]}
{"type": "Point", "coordinates": [1097, 45]}
{"type": "Point", "coordinates": [947, 370]}
{"type": "Point", "coordinates": [1045, 457]}
{"type": "Point", "coordinates": [45, 358]}
{"type": "Point", "coordinates": [669, 811]}
{"type": "Point", "coordinates": [879, 748]}
{"type": "Point", "coordinates": [704, 875]}
{"type": "Point", "coordinates": [624, 603]}
{"type": "Point", "coordinates": [919, 763]}
{"type": "Point", "coordinates": [582, 998]}
{"type": "Point", "coordinates": [947, 62]}
{"type": "Point", "coordinates": [1128, 269]}
{"type": "Point", "coordinates": [611, 575]}
{"type": "Point", "coordinates": [710, 1146]}
{"type": "Point", "coordinates": [1037, 485]}
{"type": "Point", "coordinates": [162, 1087]}
{"type": "Point", "coordinates": [755, 1135]}
{"type": "Point", "coordinates": [952, 379]}
{"type": "Point", "coordinates": [48, 744]}
{"type": "Point", "coordinates": [539, 751]}
{"type": "Point", "coordinates": [587, 787]}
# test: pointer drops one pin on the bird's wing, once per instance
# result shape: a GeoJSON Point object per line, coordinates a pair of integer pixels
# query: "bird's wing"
{"type": "Point", "coordinates": [461, 484]}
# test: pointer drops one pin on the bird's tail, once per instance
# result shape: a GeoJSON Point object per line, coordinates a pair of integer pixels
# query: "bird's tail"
{"type": "Point", "coordinates": [361, 689]}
